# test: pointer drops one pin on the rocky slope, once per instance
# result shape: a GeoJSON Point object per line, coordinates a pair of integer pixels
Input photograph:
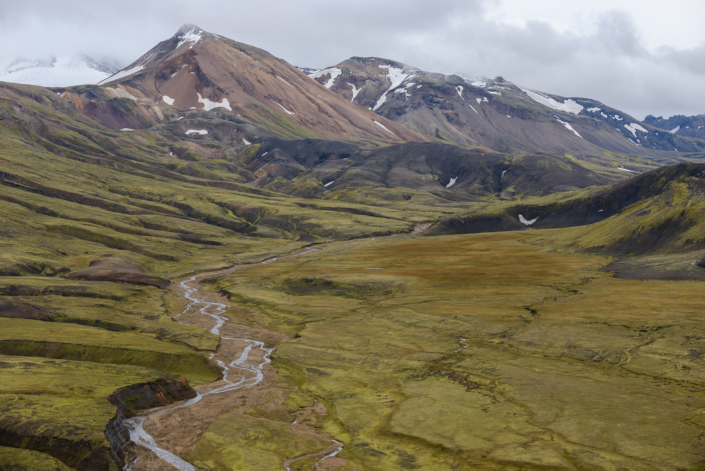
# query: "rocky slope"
{"type": "Point", "coordinates": [494, 112]}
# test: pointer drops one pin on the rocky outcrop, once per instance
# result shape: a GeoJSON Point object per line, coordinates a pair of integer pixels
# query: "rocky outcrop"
{"type": "Point", "coordinates": [131, 400]}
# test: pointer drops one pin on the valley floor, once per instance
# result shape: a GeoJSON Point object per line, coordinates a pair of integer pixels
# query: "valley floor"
{"type": "Point", "coordinates": [485, 351]}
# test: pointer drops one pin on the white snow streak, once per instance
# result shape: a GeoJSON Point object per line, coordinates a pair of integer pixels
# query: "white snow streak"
{"type": "Point", "coordinates": [202, 132]}
{"type": "Point", "coordinates": [526, 221]}
{"type": "Point", "coordinates": [569, 127]}
{"type": "Point", "coordinates": [289, 112]}
{"type": "Point", "coordinates": [247, 143]}
{"type": "Point", "coordinates": [503, 172]}
{"type": "Point", "coordinates": [383, 127]}
{"type": "Point", "coordinates": [127, 129]}
{"type": "Point", "coordinates": [473, 109]}
{"type": "Point", "coordinates": [329, 183]}
{"type": "Point", "coordinates": [167, 100]}
{"type": "Point", "coordinates": [459, 89]}
{"type": "Point", "coordinates": [675, 130]}
{"type": "Point", "coordinates": [122, 74]}
{"type": "Point", "coordinates": [452, 182]}
{"type": "Point", "coordinates": [569, 106]}
{"type": "Point", "coordinates": [627, 170]}
{"type": "Point", "coordinates": [286, 82]}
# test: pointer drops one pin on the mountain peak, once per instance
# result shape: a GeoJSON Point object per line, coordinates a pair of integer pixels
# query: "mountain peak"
{"type": "Point", "coordinates": [188, 29]}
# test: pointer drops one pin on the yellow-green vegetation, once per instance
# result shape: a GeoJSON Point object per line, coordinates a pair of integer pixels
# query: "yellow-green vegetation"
{"type": "Point", "coordinates": [76, 342]}
{"type": "Point", "coordinates": [487, 352]}
{"type": "Point", "coordinates": [244, 443]}
{"type": "Point", "coordinates": [12, 459]}
{"type": "Point", "coordinates": [59, 407]}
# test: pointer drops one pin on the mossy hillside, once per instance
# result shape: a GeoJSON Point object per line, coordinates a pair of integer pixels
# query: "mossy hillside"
{"type": "Point", "coordinates": [116, 307]}
{"type": "Point", "coordinates": [240, 442]}
{"type": "Point", "coordinates": [560, 358]}
{"type": "Point", "coordinates": [59, 407]}
{"type": "Point", "coordinates": [12, 459]}
{"type": "Point", "coordinates": [77, 342]}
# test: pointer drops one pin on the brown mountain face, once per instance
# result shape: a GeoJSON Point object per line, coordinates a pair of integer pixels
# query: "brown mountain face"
{"type": "Point", "coordinates": [196, 71]}
{"type": "Point", "coordinates": [495, 113]}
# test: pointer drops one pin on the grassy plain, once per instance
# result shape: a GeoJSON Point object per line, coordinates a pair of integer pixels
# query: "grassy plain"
{"type": "Point", "coordinates": [487, 352]}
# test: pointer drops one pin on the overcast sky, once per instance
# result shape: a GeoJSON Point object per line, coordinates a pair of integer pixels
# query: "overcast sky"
{"type": "Point", "coordinates": [640, 56]}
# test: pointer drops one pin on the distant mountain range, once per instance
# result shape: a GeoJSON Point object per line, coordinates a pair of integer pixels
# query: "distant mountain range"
{"type": "Point", "coordinates": [365, 123]}
{"type": "Point", "coordinates": [494, 112]}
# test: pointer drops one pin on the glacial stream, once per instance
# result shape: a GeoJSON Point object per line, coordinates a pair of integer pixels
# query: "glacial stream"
{"type": "Point", "coordinates": [237, 374]}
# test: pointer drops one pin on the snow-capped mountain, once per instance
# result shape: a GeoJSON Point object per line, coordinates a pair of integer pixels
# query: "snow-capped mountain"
{"type": "Point", "coordinates": [494, 113]}
{"type": "Point", "coordinates": [58, 71]}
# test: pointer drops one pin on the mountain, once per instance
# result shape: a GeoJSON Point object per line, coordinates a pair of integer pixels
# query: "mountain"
{"type": "Point", "coordinates": [197, 73]}
{"type": "Point", "coordinates": [494, 112]}
{"type": "Point", "coordinates": [689, 126]}
{"type": "Point", "coordinates": [58, 72]}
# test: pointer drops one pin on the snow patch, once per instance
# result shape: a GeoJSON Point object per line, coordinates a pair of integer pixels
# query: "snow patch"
{"type": "Point", "coordinates": [503, 172]}
{"type": "Point", "coordinates": [617, 117]}
{"type": "Point", "coordinates": [459, 89]}
{"type": "Point", "coordinates": [289, 112]}
{"type": "Point", "coordinates": [334, 74]}
{"type": "Point", "coordinates": [383, 127]}
{"type": "Point", "coordinates": [626, 169]}
{"type": "Point", "coordinates": [202, 132]}
{"type": "Point", "coordinates": [494, 93]}
{"type": "Point", "coordinates": [122, 74]}
{"type": "Point", "coordinates": [569, 127]}
{"type": "Point", "coordinates": [419, 86]}
{"type": "Point", "coordinates": [480, 100]}
{"type": "Point", "coordinates": [479, 83]}
{"type": "Point", "coordinates": [329, 183]}
{"type": "Point", "coordinates": [473, 109]}
{"type": "Point", "coordinates": [594, 110]}
{"type": "Point", "coordinates": [190, 37]}
{"type": "Point", "coordinates": [604, 115]}
{"type": "Point", "coordinates": [396, 77]}
{"type": "Point", "coordinates": [410, 84]}
{"type": "Point", "coordinates": [569, 106]}
{"type": "Point", "coordinates": [675, 130]}
{"type": "Point", "coordinates": [167, 100]}
{"type": "Point", "coordinates": [209, 105]}
{"type": "Point", "coordinates": [265, 154]}
{"type": "Point", "coordinates": [179, 118]}
{"type": "Point", "coordinates": [633, 128]}
{"type": "Point", "coordinates": [452, 182]}
{"type": "Point", "coordinates": [247, 143]}
{"type": "Point", "coordinates": [526, 221]}
{"type": "Point", "coordinates": [355, 91]}
{"type": "Point", "coordinates": [127, 129]}
{"type": "Point", "coordinates": [404, 91]}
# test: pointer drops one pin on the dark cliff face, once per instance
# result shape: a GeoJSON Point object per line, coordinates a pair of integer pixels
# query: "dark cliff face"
{"type": "Point", "coordinates": [130, 401]}
{"type": "Point", "coordinates": [162, 392]}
